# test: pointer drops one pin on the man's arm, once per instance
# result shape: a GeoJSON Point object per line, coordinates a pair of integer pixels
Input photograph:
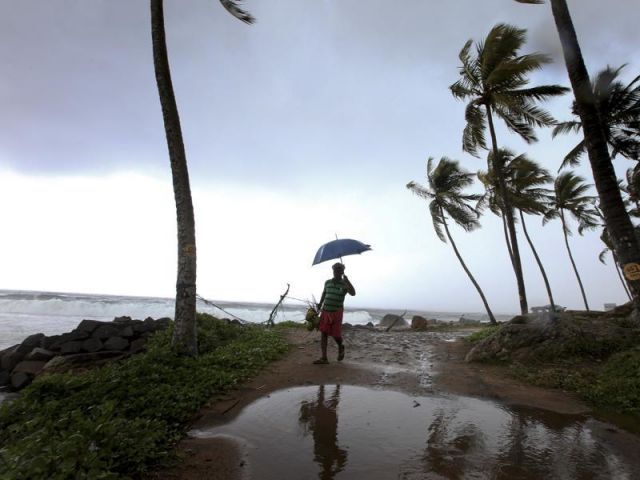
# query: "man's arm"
{"type": "Point", "coordinates": [350, 290]}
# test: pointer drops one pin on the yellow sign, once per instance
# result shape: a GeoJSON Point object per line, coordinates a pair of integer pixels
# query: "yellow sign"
{"type": "Point", "coordinates": [190, 250]}
{"type": "Point", "coordinates": [631, 271]}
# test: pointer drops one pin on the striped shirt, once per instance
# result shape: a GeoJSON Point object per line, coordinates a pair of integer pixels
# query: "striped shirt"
{"type": "Point", "coordinates": [334, 293]}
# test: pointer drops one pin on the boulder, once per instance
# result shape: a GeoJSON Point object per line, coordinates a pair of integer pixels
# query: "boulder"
{"type": "Point", "coordinates": [138, 345]}
{"type": "Point", "coordinates": [72, 336]}
{"type": "Point", "coordinates": [71, 347]}
{"type": "Point", "coordinates": [419, 323]}
{"type": "Point", "coordinates": [127, 332]}
{"type": "Point", "coordinates": [163, 322]}
{"type": "Point", "coordinates": [142, 327]}
{"type": "Point", "coordinates": [5, 378]}
{"type": "Point", "coordinates": [30, 367]}
{"type": "Point", "coordinates": [11, 359]}
{"type": "Point", "coordinates": [116, 343]}
{"type": "Point", "coordinates": [40, 354]}
{"type": "Point", "coordinates": [125, 320]}
{"type": "Point", "coordinates": [33, 341]}
{"type": "Point", "coordinates": [105, 332]}
{"type": "Point", "coordinates": [90, 326]}
{"type": "Point", "coordinates": [391, 319]}
{"type": "Point", "coordinates": [92, 345]}
{"type": "Point", "coordinates": [48, 342]}
{"type": "Point", "coordinates": [20, 380]}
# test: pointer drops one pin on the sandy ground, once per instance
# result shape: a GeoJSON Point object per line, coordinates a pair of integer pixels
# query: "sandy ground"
{"type": "Point", "coordinates": [412, 362]}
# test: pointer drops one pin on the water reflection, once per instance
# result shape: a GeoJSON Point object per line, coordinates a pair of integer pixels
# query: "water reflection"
{"type": "Point", "coordinates": [385, 435]}
{"type": "Point", "coordinates": [320, 417]}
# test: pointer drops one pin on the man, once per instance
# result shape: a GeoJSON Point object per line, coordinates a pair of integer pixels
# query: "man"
{"type": "Point", "coordinates": [332, 307]}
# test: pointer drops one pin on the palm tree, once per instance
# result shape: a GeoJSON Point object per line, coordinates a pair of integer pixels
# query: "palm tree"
{"type": "Point", "coordinates": [619, 109]}
{"type": "Point", "coordinates": [616, 217]}
{"type": "Point", "coordinates": [570, 198]}
{"type": "Point", "coordinates": [184, 334]}
{"type": "Point", "coordinates": [495, 81]}
{"type": "Point", "coordinates": [446, 200]}
{"type": "Point", "coordinates": [604, 236]}
{"type": "Point", "coordinates": [525, 181]}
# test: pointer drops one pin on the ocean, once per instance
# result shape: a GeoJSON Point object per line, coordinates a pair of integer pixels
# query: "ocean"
{"type": "Point", "coordinates": [23, 313]}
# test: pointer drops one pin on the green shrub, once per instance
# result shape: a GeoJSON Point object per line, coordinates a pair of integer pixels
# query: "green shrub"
{"type": "Point", "coordinates": [291, 324]}
{"type": "Point", "coordinates": [116, 421]}
{"type": "Point", "coordinates": [482, 334]}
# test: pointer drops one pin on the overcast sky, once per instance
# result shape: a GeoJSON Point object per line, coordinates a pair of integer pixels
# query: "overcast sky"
{"type": "Point", "coordinates": [305, 125]}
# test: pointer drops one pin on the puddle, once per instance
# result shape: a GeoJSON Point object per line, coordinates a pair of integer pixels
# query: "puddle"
{"type": "Point", "coordinates": [346, 432]}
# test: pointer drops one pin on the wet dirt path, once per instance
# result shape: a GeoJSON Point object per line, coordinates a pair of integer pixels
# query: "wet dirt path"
{"type": "Point", "coordinates": [450, 420]}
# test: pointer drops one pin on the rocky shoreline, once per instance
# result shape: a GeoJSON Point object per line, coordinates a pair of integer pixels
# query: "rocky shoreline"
{"type": "Point", "coordinates": [91, 343]}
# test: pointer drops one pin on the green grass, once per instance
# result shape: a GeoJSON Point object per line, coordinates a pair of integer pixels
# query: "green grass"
{"type": "Point", "coordinates": [291, 324]}
{"type": "Point", "coordinates": [118, 420]}
{"type": "Point", "coordinates": [613, 384]}
{"type": "Point", "coordinates": [475, 337]}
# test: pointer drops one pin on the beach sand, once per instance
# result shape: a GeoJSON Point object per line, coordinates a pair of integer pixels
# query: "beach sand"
{"type": "Point", "coordinates": [416, 363]}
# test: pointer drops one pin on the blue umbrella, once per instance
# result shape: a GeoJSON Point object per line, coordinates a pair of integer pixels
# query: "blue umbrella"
{"type": "Point", "coordinates": [339, 248]}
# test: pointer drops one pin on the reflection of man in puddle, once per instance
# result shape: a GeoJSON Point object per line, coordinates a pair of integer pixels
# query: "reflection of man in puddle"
{"type": "Point", "coordinates": [321, 418]}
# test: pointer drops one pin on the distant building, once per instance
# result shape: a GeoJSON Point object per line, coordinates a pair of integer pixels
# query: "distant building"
{"type": "Point", "coordinates": [609, 306]}
{"type": "Point", "coordinates": [547, 308]}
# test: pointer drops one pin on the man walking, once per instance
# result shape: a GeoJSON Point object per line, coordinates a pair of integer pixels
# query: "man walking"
{"type": "Point", "coordinates": [332, 308]}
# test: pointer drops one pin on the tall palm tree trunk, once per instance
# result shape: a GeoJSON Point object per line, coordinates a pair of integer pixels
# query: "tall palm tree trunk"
{"type": "Point", "coordinates": [508, 212]}
{"type": "Point", "coordinates": [492, 319]}
{"type": "Point", "coordinates": [616, 264]}
{"type": "Point", "coordinates": [615, 214]}
{"type": "Point", "coordinates": [506, 238]}
{"type": "Point", "coordinates": [184, 334]}
{"type": "Point", "coordinates": [573, 263]}
{"type": "Point", "coordinates": [535, 254]}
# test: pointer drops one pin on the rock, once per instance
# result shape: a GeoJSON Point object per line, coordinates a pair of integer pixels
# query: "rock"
{"type": "Point", "coordinates": [71, 347]}
{"type": "Point", "coordinates": [48, 342]}
{"type": "Point", "coordinates": [419, 323]}
{"type": "Point", "coordinates": [30, 367]}
{"type": "Point", "coordinates": [11, 359]}
{"type": "Point", "coordinates": [91, 345]}
{"type": "Point", "coordinates": [125, 320]}
{"type": "Point", "coordinates": [370, 324]}
{"type": "Point", "coordinates": [391, 319]}
{"type": "Point", "coordinates": [163, 322]}
{"type": "Point", "coordinates": [90, 326]}
{"type": "Point", "coordinates": [20, 380]}
{"type": "Point", "coordinates": [142, 327]}
{"type": "Point", "coordinates": [5, 378]}
{"type": "Point", "coordinates": [33, 341]}
{"type": "Point", "coordinates": [72, 336]}
{"type": "Point", "coordinates": [40, 354]}
{"type": "Point", "coordinates": [127, 332]}
{"type": "Point", "coordinates": [105, 332]}
{"type": "Point", "coordinates": [347, 326]}
{"type": "Point", "coordinates": [63, 363]}
{"type": "Point", "coordinates": [138, 345]}
{"type": "Point", "coordinates": [116, 343]}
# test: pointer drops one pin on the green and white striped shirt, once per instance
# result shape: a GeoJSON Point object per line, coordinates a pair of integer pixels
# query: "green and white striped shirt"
{"type": "Point", "coordinates": [334, 293]}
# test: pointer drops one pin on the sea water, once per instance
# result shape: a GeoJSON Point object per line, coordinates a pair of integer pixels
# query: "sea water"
{"type": "Point", "coordinates": [23, 313]}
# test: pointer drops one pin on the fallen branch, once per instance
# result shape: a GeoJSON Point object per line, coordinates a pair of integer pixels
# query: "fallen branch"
{"type": "Point", "coordinates": [272, 316]}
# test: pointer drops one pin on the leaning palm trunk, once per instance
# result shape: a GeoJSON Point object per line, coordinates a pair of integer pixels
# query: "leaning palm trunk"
{"type": "Point", "coordinates": [535, 254]}
{"type": "Point", "coordinates": [615, 215]}
{"type": "Point", "coordinates": [184, 334]}
{"type": "Point", "coordinates": [573, 263]}
{"type": "Point", "coordinates": [507, 211]}
{"type": "Point", "coordinates": [506, 238]}
{"type": "Point", "coordinates": [624, 285]}
{"type": "Point", "coordinates": [492, 319]}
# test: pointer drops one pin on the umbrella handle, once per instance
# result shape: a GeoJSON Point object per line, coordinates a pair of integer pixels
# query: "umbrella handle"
{"type": "Point", "coordinates": [339, 257]}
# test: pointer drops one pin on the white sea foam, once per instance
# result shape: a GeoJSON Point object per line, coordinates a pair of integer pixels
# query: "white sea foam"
{"type": "Point", "coordinates": [24, 313]}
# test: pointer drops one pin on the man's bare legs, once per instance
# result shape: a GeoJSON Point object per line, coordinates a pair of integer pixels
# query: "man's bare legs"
{"type": "Point", "coordinates": [323, 348]}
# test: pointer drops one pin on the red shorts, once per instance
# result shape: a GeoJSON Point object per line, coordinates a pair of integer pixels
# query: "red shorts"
{"type": "Point", "coordinates": [331, 323]}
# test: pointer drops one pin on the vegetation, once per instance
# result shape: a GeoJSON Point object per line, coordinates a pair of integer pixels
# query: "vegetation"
{"type": "Point", "coordinates": [116, 421]}
{"type": "Point", "coordinates": [444, 191]}
{"type": "Point", "coordinates": [486, 332]}
{"type": "Point", "coordinates": [495, 81]}
{"type": "Point", "coordinates": [185, 333]}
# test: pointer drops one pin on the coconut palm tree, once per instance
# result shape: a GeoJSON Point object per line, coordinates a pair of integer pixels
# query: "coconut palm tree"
{"type": "Point", "coordinates": [616, 217]}
{"type": "Point", "coordinates": [604, 236]}
{"type": "Point", "coordinates": [444, 188]}
{"type": "Point", "coordinates": [619, 109]}
{"type": "Point", "coordinates": [184, 334]}
{"type": "Point", "coordinates": [525, 181]}
{"type": "Point", "coordinates": [494, 80]}
{"type": "Point", "coordinates": [571, 199]}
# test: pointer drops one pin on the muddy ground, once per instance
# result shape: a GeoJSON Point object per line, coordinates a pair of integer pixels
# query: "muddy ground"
{"type": "Point", "coordinates": [416, 363]}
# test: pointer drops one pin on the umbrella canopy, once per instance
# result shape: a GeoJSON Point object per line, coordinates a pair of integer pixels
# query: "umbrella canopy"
{"type": "Point", "coordinates": [339, 248]}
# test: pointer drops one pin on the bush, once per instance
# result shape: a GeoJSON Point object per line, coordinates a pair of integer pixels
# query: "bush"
{"type": "Point", "coordinates": [482, 334]}
{"type": "Point", "coordinates": [116, 421]}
